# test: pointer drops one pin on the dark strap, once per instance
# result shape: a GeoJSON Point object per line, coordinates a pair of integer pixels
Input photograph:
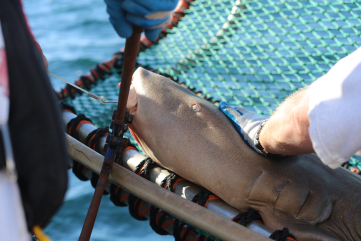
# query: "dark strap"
{"type": "Point", "coordinates": [79, 170]}
{"type": "Point", "coordinates": [245, 218]}
{"type": "Point", "coordinates": [73, 124]}
{"type": "Point", "coordinates": [115, 196]}
{"type": "Point", "coordinates": [144, 167]}
{"type": "Point", "coordinates": [177, 229]}
{"type": "Point", "coordinates": [282, 235]}
{"type": "Point", "coordinates": [93, 138]}
{"type": "Point", "coordinates": [156, 219]}
{"type": "Point", "coordinates": [66, 106]}
{"type": "Point", "coordinates": [170, 181]}
{"type": "Point", "coordinates": [203, 197]}
{"type": "Point", "coordinates": [135, 206]}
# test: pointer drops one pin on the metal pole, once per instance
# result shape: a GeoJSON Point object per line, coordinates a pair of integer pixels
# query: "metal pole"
{"type": "Point", "coordinates": [116, 142]}
{"type": "Point", "coordinates": [130, 54]}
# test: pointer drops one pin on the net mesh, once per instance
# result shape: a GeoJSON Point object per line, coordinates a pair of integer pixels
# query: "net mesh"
{"type": "Point", "coordinates": [247, 53]}
{"type": "Point", "coordinates": [255, 53]}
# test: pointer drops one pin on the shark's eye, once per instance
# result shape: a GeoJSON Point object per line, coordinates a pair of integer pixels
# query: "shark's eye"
{"type": "Point", "coordinates": [196, 107]}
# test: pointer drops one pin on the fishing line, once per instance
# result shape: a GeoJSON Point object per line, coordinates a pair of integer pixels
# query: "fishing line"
{"type": "Point", "coordinates": [101, 99]}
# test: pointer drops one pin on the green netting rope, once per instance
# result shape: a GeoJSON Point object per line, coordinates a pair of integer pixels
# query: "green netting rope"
{"type": "Point", "coordinates": [251, 53]}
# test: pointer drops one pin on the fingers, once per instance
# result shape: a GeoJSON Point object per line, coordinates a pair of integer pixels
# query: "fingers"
{"type": "Point", "coordinates": [143, 22]}
{"type": "Point", "coordinates": [152, 34]}
{"type": "Point", "coordinates": [117, 18]}
{"type": "Point", "coordinates": [149, 14]}
{"type": "Point", "coordinates": [123, 29]}
{"type": "Point", "coordinates": [158, 5]}
{"type": "Point", "coordinates": [135, 8]}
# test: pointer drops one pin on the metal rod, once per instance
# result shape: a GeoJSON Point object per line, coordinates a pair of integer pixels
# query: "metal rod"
{"type": "Point", "coordinates": [68, 82]}
{"type": "Point", "coordinates": [130, 54]}
{"type": "Point", "coordinates": [101, 99]}
{"type": "Point", "coordinates": [94, 205]}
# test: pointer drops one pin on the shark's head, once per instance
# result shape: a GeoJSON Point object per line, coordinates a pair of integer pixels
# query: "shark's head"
{"type": "Point", "coordinates": [171, 123]}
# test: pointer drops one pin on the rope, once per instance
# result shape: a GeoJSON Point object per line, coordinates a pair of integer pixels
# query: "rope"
{"type": "Point", "coordinates": [135, 204]}
{"type": "Point", "coordinates": [282, 235]}
{"type": "Point", "coordinates": [156, 220]}
{"type": "Point", "coordinates": [115, 196]}
{"type": "Point", "coordinates": [177, 230]}
{"type": "Point", "coordinates": [245, 218]}
{"type": "Point", "coordinates": [170, 181]}
{"type": "Point", "coordinates": [79, 170]}
{"type": "Point", "coordinates": [135, 207]}
{"type": "Point", "coordinates": [144, 167]}
{"type": "Point", "coordinates": [203, 197]}
{"type": "Point", "coordinates": [65, 106]}
{"type": "Point", "coordinates": [182, 232]}
{"type": "Point", "coordinates": [73, 126]}
{"type": "Point", "coordinates": [93, 138]}
{"type": "Point", "coordinates": [115, 193]}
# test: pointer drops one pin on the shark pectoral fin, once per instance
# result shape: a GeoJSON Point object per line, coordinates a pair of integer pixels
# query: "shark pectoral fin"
{"type": "Point", "coordinates": [315, 209]}
{"type": "Point", "coordinates": [304, 231]}
{"type": "Point", "coordinates": [290, 196]}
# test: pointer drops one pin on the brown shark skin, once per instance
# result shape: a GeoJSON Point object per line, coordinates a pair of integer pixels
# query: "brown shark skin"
{"type": "Point", "coordinates": [299, 192]}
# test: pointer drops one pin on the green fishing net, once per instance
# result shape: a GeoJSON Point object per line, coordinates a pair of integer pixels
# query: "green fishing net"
{"type": "Point", "coordinates": [247, 53]}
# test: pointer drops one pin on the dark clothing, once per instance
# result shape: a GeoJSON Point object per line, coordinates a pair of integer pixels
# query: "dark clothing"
{"type": "Point", "coordinates": [35, 121]}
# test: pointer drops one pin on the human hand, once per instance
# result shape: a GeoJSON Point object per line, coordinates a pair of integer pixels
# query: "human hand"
{"type": "Point", "coordinates": [149, 14]}
{"type": "Point", "coordinates": [248, 125]}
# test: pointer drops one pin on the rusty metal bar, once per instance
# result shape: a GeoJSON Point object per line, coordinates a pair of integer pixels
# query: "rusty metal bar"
{"type": "Point", "coordinates": [116, 143]}
{"type": "Point", "coordinates": [130, 54]}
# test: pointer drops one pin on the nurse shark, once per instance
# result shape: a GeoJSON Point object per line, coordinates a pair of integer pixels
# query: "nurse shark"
{"type": "Point", "coordinates": [193, 138]}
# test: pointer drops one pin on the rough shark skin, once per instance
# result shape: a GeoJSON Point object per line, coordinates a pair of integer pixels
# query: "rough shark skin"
{"type": "Point", "coordinates": [193, 138]}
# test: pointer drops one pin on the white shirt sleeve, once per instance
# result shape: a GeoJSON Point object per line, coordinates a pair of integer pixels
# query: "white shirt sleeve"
{"type": "Point", "coordinates": [335, 111]}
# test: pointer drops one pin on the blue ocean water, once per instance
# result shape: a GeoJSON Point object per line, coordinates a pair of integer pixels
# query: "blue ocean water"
{"type": "Point", "coordinates": [75, 36]}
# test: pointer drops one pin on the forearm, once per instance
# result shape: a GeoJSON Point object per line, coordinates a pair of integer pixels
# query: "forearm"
{"type": "Point", "coordinates": [286, 132]}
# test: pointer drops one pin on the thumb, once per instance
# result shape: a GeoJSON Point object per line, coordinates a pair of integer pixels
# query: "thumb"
{"type": "Point", "coordinates": [152, 34]}
{"type": "Point", "coordinates": [118, 20]}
